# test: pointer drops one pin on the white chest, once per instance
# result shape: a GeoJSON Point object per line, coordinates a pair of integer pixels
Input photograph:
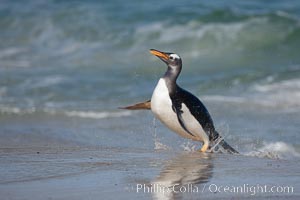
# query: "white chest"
{"type": "Point", "coordinates": [161, 106]}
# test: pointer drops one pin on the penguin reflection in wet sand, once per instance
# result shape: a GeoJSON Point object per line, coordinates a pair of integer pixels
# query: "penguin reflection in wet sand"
{"type": "Point", "coordinates": [179, 110]}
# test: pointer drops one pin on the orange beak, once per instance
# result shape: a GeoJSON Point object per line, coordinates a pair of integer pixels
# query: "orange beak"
{"type": "Point", "coordinates": [159, 54]}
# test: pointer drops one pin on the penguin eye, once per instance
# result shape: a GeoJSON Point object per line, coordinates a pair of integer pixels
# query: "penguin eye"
{"type": "Point", "coordinates": [171, 57]}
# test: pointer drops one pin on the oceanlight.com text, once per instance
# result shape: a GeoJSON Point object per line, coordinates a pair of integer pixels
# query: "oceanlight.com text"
{"type": "Point", "coordinates": [250, 189]}
{"type": "Point", "coordinates": [215, 188]}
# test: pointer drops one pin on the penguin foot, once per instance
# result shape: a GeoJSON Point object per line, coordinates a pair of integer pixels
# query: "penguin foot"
{"type": "Point", "coordinates": [204, 147]}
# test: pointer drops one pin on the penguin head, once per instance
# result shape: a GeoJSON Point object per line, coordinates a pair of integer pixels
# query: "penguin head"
{"type": "Point", "coordinates": [171, 59]}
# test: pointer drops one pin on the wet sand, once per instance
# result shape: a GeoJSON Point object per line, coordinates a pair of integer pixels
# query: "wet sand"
{"type": "Point", "coordinates": [85, 173]}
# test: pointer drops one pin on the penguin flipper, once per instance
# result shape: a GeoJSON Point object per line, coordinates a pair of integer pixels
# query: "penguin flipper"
{"type": "Point", "coordinates": [139, 106]}
{"type": "Point", "coordinates": [177, 109]}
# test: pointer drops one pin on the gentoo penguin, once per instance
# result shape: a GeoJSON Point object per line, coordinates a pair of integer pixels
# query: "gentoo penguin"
{"type": "Point", "coordinates": [179, 110]}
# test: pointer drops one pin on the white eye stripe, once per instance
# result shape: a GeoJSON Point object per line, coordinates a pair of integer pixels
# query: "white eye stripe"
{"type": "Point", "coordinates": [174, 56]}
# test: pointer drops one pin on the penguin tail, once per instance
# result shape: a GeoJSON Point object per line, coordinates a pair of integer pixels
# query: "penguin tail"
{"type": "Point", "coordinates": [227, 147]}
{"type": "Point", "coordinates": [220, 145]}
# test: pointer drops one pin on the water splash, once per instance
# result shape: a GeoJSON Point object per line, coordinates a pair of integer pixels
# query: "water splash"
{"type": "Point", "coordinates": [275, 150]}
{"type": "Point", "coordinates": [157, 144]}
{"type": "Point", "coordinates": [189, 146]}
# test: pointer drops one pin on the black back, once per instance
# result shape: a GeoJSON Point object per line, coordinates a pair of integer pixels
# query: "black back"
{"type": "Point", "coordinates": [196, 108]}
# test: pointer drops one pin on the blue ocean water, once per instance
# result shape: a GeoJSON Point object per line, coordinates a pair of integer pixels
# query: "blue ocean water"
{"type": "Point", "coordinates": [66, 66]}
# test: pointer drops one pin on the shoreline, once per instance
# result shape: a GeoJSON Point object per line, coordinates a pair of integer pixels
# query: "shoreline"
{"type": "Point", "coordinates": [89, 173]}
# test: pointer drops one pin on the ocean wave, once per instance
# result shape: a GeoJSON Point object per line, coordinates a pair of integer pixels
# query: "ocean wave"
{"type": "Point", "coordinates": [97, 115]}
{"type": "Point", "coordinates": [16, 110]}
{"type": "Point", "coordinates": [193, 30]}
{"type": "Point", "coordinates": [291, 85]}
{"type": "Point", "coordinates": [81, 114]}
{"type": "Point", "coordinates": [284, 95]}
{"type": "Point", "coordinates": [9, 52]}
{"type": "Point", "coordinates": [275, 150]}
{"type": "Point", "coordinates": [197, 37]}
{"type": "Point", "coordinates": [51, 38]}
{"type": "Point", "coordinates": [43, 82]}
{"type": "Point", "coordinates": [228, 99]}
